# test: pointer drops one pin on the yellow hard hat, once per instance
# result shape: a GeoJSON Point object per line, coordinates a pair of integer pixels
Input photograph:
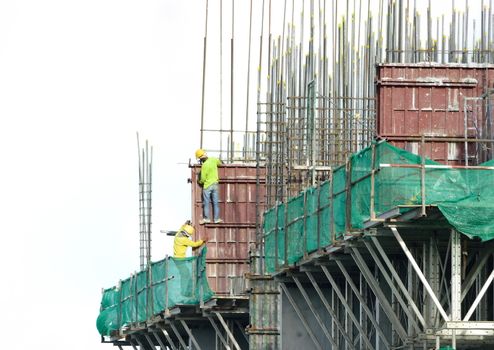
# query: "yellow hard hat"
{"type": "Point", "coordinates": [189, 229]}
{"type": "Point", "coordinates": [200, 153]}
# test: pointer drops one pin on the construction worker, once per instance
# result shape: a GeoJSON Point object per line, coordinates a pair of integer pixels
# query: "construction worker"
{"type": "Point", "coordinates": [183, 240]}
{"type": "Point", "coordinates": [209, 180]}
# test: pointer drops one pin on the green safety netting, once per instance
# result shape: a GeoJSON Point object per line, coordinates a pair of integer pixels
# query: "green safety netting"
{"type": "Point", "coordinates": [166, 283]}
{"type": "Point", "coordinates": [319, 215]}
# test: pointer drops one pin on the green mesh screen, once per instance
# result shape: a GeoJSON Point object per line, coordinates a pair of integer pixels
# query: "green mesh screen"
{"type": "Point", "coordinates": [166, 283]}
{"type": "Point", "coordinates": [295, 228]}
{"type": "Point", "coordinates": [317, 216]}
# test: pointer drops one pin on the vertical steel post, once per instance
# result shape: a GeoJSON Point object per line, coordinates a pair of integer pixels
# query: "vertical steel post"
{"type": "Point", "coordinates": [373, 183]}
{"type": "Point", "coordinates": [455, 281]}
{"type": "Point", "coordinates": [203, 76]}
{"type": "Point", "coordinates": [232, 144]}
{"type": "Point", "coordinates": [422, 176]}
{"type": "Point", "coordinates": [455, 275]}
{"type": "Point", "coordinates": [304, 243]}
{"type": "Point", "coordinates": [348, 191]}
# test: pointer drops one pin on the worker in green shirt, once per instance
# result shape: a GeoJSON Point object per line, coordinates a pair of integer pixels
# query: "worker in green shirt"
{"type": "Point", "coordinates": [209, 180]}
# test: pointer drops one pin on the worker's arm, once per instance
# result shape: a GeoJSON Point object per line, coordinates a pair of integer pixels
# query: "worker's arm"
{"type": "Point", "coordinates": [193, 244]}
{"type": "Point", "coordinates": [201, 177]}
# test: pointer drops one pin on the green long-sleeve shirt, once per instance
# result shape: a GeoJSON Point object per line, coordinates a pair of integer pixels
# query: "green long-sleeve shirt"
{"type": "Point", "coordinates": [209, 172]}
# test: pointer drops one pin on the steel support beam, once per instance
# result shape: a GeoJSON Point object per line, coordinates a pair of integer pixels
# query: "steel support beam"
{"type": "Point", "coordinates": [191, 336]}
{"type": "Point", "coordinates": [432, 269]}
{"type": "Point", "coordinates": [363, 304]}
{"type": "Point", "coordinates": [345, 304]}
{"type": "Point", "coordinates": [314, 311]}
{"type": "Point", "coordinates": [376, 289]}
{"type": "Point", "coordinates": [300, 315]}
{"type": "Point", "coordinates": [132, 342]}
{"type": "Point", "coordinates": [446, 296]}
{"type": "Point", "coordinates": [218, 333]}
{"type": "Point", "coordinates": [393, 289]}
{"type": "Point", "coordinates": [143, 347]}
{"type": "Point", "coordinates": [419, 272]}
{"type": "Point", "coordinates": [150, 341]}
{"type": "Point", "coordinates": [227, 330]}
{"type": "Point", "coordinates": [329, 309]}
{"type": "Point", "coordinates": [455, 276]}
{"type": "Point", "coordinates": [168, 339]}
{"type": "Point", "coordinates": [479, 297]}
{"type": "Point", "coordinates": [475, 271]}
{"type": "Point", "coordinates": [177, 333]}
{"type": "Point", "coordinates": [398, 281]}
{"type": "Point", "coordinates": [242, 330]}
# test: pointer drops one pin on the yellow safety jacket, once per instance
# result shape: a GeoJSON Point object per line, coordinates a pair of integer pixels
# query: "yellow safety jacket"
{"type": "Point", "coordinates": [180, 244]}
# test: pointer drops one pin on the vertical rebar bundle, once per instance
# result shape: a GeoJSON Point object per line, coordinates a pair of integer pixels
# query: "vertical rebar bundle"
{"type": "Point", "coordinates": [319, 102]}
{"type": "Point", "coordinates": [145, 157]}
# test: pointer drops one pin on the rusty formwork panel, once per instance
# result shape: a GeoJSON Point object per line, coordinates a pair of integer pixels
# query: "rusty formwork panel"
{"type": "Point", "coordinates": [227, 259]}
{"type": "Point", "coordinates": [428, 100]}
{"type": "Point", "coordinates": [222, 276]}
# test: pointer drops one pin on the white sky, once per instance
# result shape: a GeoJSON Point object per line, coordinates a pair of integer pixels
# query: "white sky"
{"type": "Point", "coordinates": [78, 79]}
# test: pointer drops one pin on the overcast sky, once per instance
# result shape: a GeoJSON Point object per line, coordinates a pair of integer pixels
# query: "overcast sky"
{"type": "Point", "coordinates": [78, 79]}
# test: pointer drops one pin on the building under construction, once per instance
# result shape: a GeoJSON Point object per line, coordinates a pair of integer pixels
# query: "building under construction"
{"type": "Point", "coordinates": [357, 196]}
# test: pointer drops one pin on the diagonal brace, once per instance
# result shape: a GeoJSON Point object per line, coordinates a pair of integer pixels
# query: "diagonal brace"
{"type": "Point", "coordinates": [398, 281]}
{"type": "Point", "coordinates": [421, 276]}
{"type": "Point", "coordinates": [169, 340]}
{"type": "Point", "coordinates": [363, 303]}
{"type": "Point", "coordinates": [218, 333]}
{"type": "Point", "coordinates": [357, 257]}
{"type": "Point", "coordinates": [191, 336]}
{"type": "Point", "coordinates": [177, 333]}
{"type": "Point", "coordinates": [228, 332]}
{"type": "Point", "coordinates": [330, 309]}
{"type": "Point", "coordinates": [300, 316]}
{"type": "Point", "coordinates": [479, 297]}
{"type": "Point", "coordinates": [314, 312]}
{"type": "Point", "coordinates": [345, 304]}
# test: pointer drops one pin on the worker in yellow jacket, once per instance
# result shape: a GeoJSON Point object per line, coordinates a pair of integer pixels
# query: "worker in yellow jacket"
{"type": "Point", "coordinates": [183, 240]}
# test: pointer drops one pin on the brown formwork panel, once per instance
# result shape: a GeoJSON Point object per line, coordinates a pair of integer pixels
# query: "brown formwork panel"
{"type": "Point", "coordinates": [226, 242]}
{"type": "Point", "coordinates": [220, 274]}
{"type": "Point", "coordinates": [428, 99]}
{"type": "Point", "coordinates": [229, 243]}
{"type": "Point", "coordinates": [450, 153]}
{"type": "Point", "coordinates": [237, 194]}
